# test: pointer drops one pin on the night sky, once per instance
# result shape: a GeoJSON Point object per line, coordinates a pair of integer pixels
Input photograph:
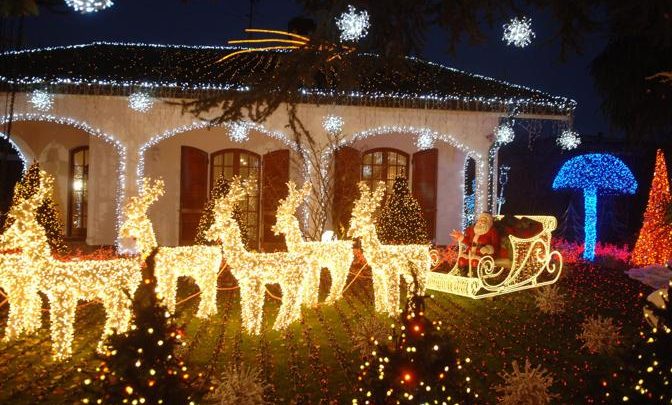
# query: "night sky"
{"type": "Point", "coordinates": [213, 22]}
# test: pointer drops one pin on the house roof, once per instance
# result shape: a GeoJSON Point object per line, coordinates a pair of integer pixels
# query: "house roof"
{"type": "Point", "coordinates": [184, 71]}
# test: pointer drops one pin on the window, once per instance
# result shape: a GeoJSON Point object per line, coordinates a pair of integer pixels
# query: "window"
{"type": "Point", "coordinates": [77, 192]}
{"type": "Point", "coordinates": [384, 165]}
{"type": "Point", "coordinates": [239, 162]}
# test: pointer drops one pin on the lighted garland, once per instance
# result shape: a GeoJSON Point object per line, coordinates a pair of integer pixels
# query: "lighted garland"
{"type": "Point", "coordinates": [200, 263]}
{"type": "Point", "coordinates": [388, 262]}
{"type": "Point", "coordinates": [89, 6]}
{"type": "Point", "coordinates": [336, 256]}
{"type": "Point", "coordinates": [255, 270]}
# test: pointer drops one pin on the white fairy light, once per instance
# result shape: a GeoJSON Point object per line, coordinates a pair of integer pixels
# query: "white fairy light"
{"type": "Point", "coordinates": [89, 6]}
{"type": "Point", "coordinates": [504, 134]}
{"type": "Point", "coordinates": [518, 32]}
{"type": "Point", "coordinates": [140, 101]}
{"type": "Point", "coordinates": [239, 131]}
{"type": "Point", "coordinates": [568, 140]}
{"type": "Point", "coordinates": [333, 124]}
{"type": "Point", "coordinates": [41, 100]}
{"type": "Point", "coordinates": [425, 141]}
{"type": "Point", "coordinates": [353, 25]}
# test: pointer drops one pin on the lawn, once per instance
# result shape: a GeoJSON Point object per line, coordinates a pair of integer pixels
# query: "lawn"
{"type": "Point", "coordinates": [314, 361]}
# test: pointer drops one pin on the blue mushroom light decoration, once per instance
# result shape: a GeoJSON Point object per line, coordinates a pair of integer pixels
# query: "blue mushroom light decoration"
{"type": "Point", "coordinates": [595, 174]}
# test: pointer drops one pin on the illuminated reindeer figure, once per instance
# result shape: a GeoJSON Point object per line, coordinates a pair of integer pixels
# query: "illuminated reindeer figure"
{"type": "Point", "coordinates": [17, 276]}
{"type": "Point", "coordinates": [113, 282]}
{"type": "Point", "coordinates": [335, 256]}
{"type": "Point", "coordinates": [255, 270]}
{"type": "Point", "coordinates": [201, 263]}
{"type": "Point", "coordinates": [387, 262]}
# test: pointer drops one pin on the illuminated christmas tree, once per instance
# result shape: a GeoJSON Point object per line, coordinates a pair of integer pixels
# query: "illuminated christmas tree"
{"type": "Point", "coordinates": [654, 245]}
{"type": "Point", "coordinates": [414, 366]}
{"type": "Point", "coordinates": [401, 221]}
{"type": "Point", "coordinates": [47, 213]}
{"type": "Point", "coordinates": [142, 365]}
{"type": "Point", "coordinates": [220, 189]}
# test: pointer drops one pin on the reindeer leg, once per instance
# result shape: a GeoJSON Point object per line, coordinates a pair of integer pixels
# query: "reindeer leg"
{"type": "Point", "coordinates": [252, 297]}
{"type": "Point", "coordinates": [166, 287]}
{"type": "Point", "coordinates": [62, 317]}
{"type": "Point", "coordinates": [380, 289]}
{"type": "Point", "coordinates": [290, 309]}
{"type": "Point", "coordinates": [394, 285]}
{"type": "Point", "coordinates": [311, 284]}
{"type": "Point", "coordinates": [339, 275]}
{"type": "Point", "coordinates": [207, 282]}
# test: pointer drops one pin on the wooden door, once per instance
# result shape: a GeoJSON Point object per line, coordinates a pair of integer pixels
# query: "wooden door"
{"type": "Point", "coordinates": [193, 191]}
{"type": "Point", "coordinates": [425, 173]}
{"type": "Point", "coordinates": [275, 175]}
{"type": "Point", "coordinates": [347, 163]}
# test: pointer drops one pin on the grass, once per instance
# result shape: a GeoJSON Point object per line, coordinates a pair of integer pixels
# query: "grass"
{"type": "Point", "coordinates": [314, 360]}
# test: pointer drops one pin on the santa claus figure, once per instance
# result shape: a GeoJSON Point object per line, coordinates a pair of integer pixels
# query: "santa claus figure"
{"type": "Point", "coordinates": [479, 240]}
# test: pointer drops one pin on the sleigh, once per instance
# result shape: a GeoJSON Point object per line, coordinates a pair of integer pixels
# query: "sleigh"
{"type": "Point", "coordinates": [530, 263]}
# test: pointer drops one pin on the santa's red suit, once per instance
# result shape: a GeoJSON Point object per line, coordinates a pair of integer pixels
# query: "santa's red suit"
{"type": "Point", "coordinates": [479, 245]}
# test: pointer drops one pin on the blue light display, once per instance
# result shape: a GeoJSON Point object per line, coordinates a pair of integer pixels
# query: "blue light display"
{"type": "Point", "coordinates": [595, 174]}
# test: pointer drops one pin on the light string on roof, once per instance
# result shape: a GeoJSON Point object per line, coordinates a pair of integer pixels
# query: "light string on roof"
{"type": "Point", "coordinates": [89, 6]}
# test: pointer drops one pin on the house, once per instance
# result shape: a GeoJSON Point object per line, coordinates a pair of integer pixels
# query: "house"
{"type": "Point", "coordinates": [94, 116]}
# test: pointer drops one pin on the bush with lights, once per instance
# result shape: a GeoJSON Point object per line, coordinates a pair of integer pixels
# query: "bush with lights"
{"type": "Point", "coordinates": [415, 365]}
{"type": "Point", "coordinates": [47, 213]}
{"type": "Point", "coordinates": [220, 189]}
{"type": "Point", "coordinates": [141, 365]}
{"type": "Point", "coordinates": [401, 221]}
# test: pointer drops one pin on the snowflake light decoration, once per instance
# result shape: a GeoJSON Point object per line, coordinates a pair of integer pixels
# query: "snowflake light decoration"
{"type": "Point", "coordinates": [568, 140]}
{"type": "Point", "coordinates": [333, 124]}
{"type": "Point", "coordinates": [89, 6]}
{"type": "Point", "coordinates": [353, 25]}
{"type": "Point", "coordinates": [518, 32]}
{"type": "Point", "coordinates": [41, 100]}
{"type": "Point", "coordinates": [425, 141]}
{"type": "Point", "coordinates": [239, 131]}
{"type": "Point", "coordinates": [504, 134]}
{"type": "Point", "coordinates": [140, 101]}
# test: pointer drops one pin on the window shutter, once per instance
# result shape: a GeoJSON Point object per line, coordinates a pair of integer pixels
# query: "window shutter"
{"type": "Point", "coordinates": [193, 191]}
{"type": "Point", "coordinates": [425, 166]}
{"type": "Point", "coordinates": [275, 175]}
{"type": "Point", "coordinates": [347, 164]}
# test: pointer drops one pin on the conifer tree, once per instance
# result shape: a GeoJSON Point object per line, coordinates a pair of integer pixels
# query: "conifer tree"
{"type": "Point", "coordinates": [142, 365]}
{"type": "Point", "coordinates": [401, 220]}
{"type": "Point", "coordinates": [654, 244]}
{"type": "Point", "coordinates": [220, 189]}
{"type": "Point", "coordinates": [47, 213]}
{"type": "Point", "coordinates": [414, 366]}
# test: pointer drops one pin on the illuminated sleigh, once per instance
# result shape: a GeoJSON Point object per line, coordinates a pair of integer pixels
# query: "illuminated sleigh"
{"type": "Point", "coordinates": [532, 264]}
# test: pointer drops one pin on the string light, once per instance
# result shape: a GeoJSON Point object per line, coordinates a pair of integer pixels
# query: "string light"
{"type": "Point", "coordinates": [336, 256]}
{"type": "Point", "coordinates": [518, 32]}
{"type": "Point", "coordinates": [255, 270]}
{"type": "Point", "coordinates": [594, 174]}
{"type": "Point", "coordinates": [140, 102]}
{"type": "Point", "coordinates": [568, 140]}
{"type": "Point", "coordinates": [333, 124]}
{"type": "Point", "coordinates": [89, 6]}
{"type": "Point", "coordinates": [65, 283]}
{"type": "Point", "coordinates": [200, 263]}
{"type": "Point", "coordinates": [388, 262]}
{"type": "Point", "coordinates": [108, 138]}
{"type": "Point", "coordinates": [504, 134]}
{"type": "Point", "coordinates": [353, 25]}
{"type": "Point", "coordinates": [41, 100]}
{"type": "Point", "coordinates": [533, 264]}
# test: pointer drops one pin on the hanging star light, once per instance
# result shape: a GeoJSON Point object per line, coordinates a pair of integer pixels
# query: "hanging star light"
{"type": "Point", "coordinates": [518, 32]}
{"type": "Point", "coordinates": [333, 124]}
{"type": "Point", "coordinates": [89, 6]}
{"type": "Point", "coordinates": [568, 140]}
{"type": "Point", "coordinates": [41, 100]}
{"type": "Point", "coordinates": [353, 25]}
{"type": "Point", "coordinates": [239, 131]}
{"type": "Point", "coordinates": [504, 134]}
{"type": "Point", "coordinates": [425, 141]}
{"type": "Point", "coordinates": [140, 101]}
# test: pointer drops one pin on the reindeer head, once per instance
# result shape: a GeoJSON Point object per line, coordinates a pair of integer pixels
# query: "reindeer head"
{"type": "Point", "coordinates": [25, 231]}
{"type": "Point", "coordinates": [286, 221]}
{"type": "Point", "coordinates": [137, 232]}
{"type": "Point", "coordinates": [361, 222]}
{"type": "Point", "coordinates": [224, 226]}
